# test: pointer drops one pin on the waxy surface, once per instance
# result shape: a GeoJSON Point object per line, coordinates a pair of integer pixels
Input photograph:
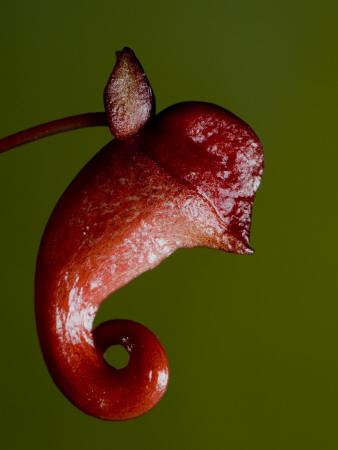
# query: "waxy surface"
{"type": "Point", "coordinates": [215, 153]}
{"type": "Point", "coordinates": [176, 184]}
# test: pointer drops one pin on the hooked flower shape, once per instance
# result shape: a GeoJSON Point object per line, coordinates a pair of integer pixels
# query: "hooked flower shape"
{"type": "Point", "coordinates": [186, 177]}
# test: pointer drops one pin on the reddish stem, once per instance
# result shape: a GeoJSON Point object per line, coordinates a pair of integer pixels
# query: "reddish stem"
{"type": "Point", "coordinates": [54, 127]}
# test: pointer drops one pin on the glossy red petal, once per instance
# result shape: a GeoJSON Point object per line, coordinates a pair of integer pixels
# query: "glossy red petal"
{"type": "Point", "coordinates": [121, 216]}
{"type": "Point", "coordinates": [215, 153]}
{"type": "Point", "coordinates": [133, 205]}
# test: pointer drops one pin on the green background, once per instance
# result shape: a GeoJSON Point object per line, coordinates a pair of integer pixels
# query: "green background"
{"type": "Point", "coordinates": [251, 340]}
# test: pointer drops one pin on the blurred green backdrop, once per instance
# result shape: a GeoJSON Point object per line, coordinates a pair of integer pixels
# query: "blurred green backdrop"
{"type": "Point", "coordinates": [251, 340]}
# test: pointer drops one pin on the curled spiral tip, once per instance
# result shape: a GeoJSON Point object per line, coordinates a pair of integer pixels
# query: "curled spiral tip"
{"type": "Point", "coordinates": [75, 359]}
{"type": "Point", "coordinates": [143, 382]}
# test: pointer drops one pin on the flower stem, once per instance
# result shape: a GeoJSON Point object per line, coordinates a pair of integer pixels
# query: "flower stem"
{"type": "Point", "coordinates": [54, 127]}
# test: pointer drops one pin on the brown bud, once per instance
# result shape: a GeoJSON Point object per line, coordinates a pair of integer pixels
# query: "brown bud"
{"type": "Point", "coordinates": [128, 97]}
